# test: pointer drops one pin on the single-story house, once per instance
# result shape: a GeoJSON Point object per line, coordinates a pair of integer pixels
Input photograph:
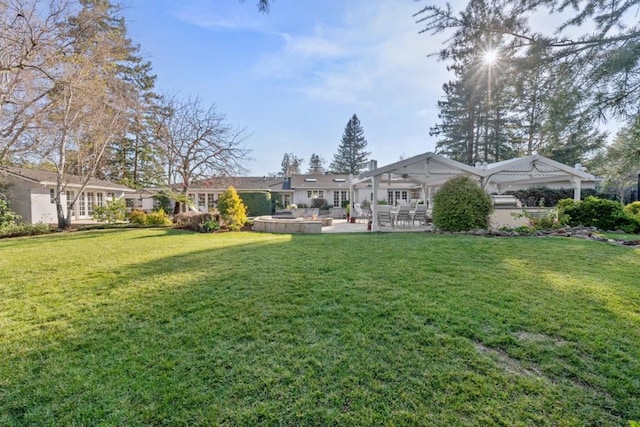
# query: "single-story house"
{"type": "Point", "coordinates": [297, 189]}
{"type": "Point", "coordinates": [32, 194]}
{"type": "Point", "coordinates": [418, 177]}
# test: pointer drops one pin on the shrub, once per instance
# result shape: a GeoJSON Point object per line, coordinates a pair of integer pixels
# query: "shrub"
{"type": "Point", "coordinates": [633, 209]}
{"type": "Point", "coordinates": [15, 230]}
{"type": "Point", "coordinates": [550, 197]}
{"type": "Point", "coordinates": [600, 213]}
{"type": "Point", "coordinates": [192, 220]}
{"type": "Point", "coordinates": [461, 205]}
{"type": "Point", "coordinates": [209, 226]}
{"type": "Point", "coordinates": [232, 210]}
{"type": "Point", "coordinates": [158, 218]}
{"type": "Point", "coordinates": [137, 217]}
{"type": "Point", "coordinates": [110, 212]}
{"type": "Point", "coordinates": [318, 203]}
{"type": "Point", "coordinates": [7, 216]}
{"type": "Point", "coordinates": [258, 203]}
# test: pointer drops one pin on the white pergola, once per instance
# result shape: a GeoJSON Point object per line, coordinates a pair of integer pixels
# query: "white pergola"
{"type": "Point", "coordinates": [431, 170]}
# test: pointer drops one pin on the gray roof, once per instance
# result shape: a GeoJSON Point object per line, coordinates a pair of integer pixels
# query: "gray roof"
{"type": "Point", "coordinates": [50, 178]}
{"type": "Point", "coordinates": [240, 183]}
{"type": "Point", "coordinates": [274, 184]}
{"type": "Point", "coordinates": [320, 181]}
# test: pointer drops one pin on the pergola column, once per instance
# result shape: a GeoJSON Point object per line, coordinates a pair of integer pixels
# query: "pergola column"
{"type": "Point", "coordinates": [374, 211]}
{"type": "Point", "coordinates": [577, 188]}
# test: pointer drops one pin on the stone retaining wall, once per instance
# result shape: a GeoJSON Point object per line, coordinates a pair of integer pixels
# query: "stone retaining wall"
{"type": "Point", "coordinates": [276, 225]}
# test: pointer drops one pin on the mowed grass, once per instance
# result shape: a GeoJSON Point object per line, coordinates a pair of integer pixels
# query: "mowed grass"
{"type": "Point", "coordinates": [164, 327]}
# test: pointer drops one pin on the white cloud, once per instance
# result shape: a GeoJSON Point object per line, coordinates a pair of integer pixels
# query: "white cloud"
{"type": "Point", "coordinates": [316, 46]}
{"type": "Point", "coordinates": [213, 15]}
{"type": "Point", "coordinates": [378, 56]}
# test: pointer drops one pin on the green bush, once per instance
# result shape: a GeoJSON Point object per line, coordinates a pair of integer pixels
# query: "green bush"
{"type": "Point", "coordinates": [318, 203]}
{"type": "Point", "coordinates": [461, 205]}
{"type": "Point", "coordinates": [110, 212]}
{"type": "Point", "coordinates": [158, 218]}
{"type": "Point", "coordinates": [257, 203]}
{"type": "Point", "coordinates": [192, 220]}
{"type": "Point", "coordinates": [15, 230]}
{"type": "Point", "coordinates": [137, 217]}
{"type": "Point", "coordinates": [209, 226]}
{"type": "Point", "coordinates": [550, 197]}
{"type": "Point", "coordinates": [7, 216]}
{"type": "Point", "coordinates": [155, 218]}
{"type": "Point", "coordinates": [633, 209]}
{"type": "Point", "coordinates": [232, 210]}
{"type": "Point", "coordinates": [600, 213]}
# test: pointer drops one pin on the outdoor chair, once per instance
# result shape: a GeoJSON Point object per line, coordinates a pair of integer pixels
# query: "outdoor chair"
{"type": "Point", "coordinates": [420, 215]}
{"type": "Point", "coordinates": [404, 215]}
{"type": "Point", "coordinates": [384, 215]}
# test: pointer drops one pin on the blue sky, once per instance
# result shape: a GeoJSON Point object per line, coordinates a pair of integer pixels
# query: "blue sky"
{"type": "Point", "coordinates": [294, 77]}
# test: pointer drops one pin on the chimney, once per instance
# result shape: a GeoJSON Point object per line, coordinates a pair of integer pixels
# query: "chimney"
{"type": "Point", "coordinates": [373, 165]}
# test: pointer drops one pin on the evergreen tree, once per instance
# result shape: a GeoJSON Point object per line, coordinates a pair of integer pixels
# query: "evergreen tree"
{"type": "Point", "coordinates": [618, 163]}
{"type": "Point", "coordinates": [316, 164]}
{"type": "Point", "coordinates": [598, 42]}
{"type": "Point", "coordinates": [232, 210]}
{"type": "Point", "coordinates": [351, 157]}
{"type": "Point", "coordinates": [291, 164]}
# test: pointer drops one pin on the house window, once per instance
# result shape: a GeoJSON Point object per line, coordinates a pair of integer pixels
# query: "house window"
{"type": "Point", "coordinates": [82, 206]}
{"type": "Point", "coordinates": [315, 194]}
{"type": "Point", "coordinates": [70, 195]}
{"type": "Point", "coordinates": [287, 199]}
{"type": "Point", "coordinates": [99, 200]}
{"type": "Point", "coordinates": [202, 203]}
{"type": "Point", "coordinates": [111, 196]}
{"type": "Point", "coordinates": [52, 195]}
{"type": "Point", "coordinates": [90, 203]}
{"type": "Point", "coordinates": [338, 198]}
{"type": "Point", "coordinates": [390, 197]}
{"type": "Point", "coordinates": [211, 201]}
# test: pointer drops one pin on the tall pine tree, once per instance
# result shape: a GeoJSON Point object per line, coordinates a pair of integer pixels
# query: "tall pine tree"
{"type": "Point", "coordinates": [316, 164]}
{"type": "Point", "coordinates": [351, 157]}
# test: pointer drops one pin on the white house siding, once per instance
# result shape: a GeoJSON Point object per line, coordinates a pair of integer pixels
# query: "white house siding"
{"type": "Point", "coordinates": [19, 191]}
{"type": "Point", "coordinates": [42, 210]}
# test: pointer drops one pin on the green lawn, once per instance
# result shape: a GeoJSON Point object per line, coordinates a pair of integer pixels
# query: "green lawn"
{"type": "Point", "coordinates": [164, 327]}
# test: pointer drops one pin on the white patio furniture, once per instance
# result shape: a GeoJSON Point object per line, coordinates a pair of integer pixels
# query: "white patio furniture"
{"type": "Point", "coordinates": [404, 215]}
{"type": "Point", "coordinates": [420, 215]}
{"type": "Point", "coordinates": [385, 216]}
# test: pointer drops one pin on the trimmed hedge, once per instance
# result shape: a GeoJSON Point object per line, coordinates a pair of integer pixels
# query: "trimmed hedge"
{"type": "Point", "coordinates": [601, 213]}
{"type": "Point", "coordinates": [461, 205]}
{"type": "Point", "coordinates": [550, 197]}
{"type": "Point", "coordinates": [257, 204]}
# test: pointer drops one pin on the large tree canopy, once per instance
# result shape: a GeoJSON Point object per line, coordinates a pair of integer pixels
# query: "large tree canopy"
{"type": "Point", "coordinates": [598, 43]}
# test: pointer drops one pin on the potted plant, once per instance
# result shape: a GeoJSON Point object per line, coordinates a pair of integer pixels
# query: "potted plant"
{"type": "Point", "coordinates": [347, 207]}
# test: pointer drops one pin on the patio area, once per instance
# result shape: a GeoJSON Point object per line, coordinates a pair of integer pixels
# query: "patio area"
{"type": "Point", "coordinates": [342, 226]}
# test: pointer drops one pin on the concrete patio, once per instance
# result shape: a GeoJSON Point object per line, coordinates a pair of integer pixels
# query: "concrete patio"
{"type": "Point", "coordinates": [342, 226]}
